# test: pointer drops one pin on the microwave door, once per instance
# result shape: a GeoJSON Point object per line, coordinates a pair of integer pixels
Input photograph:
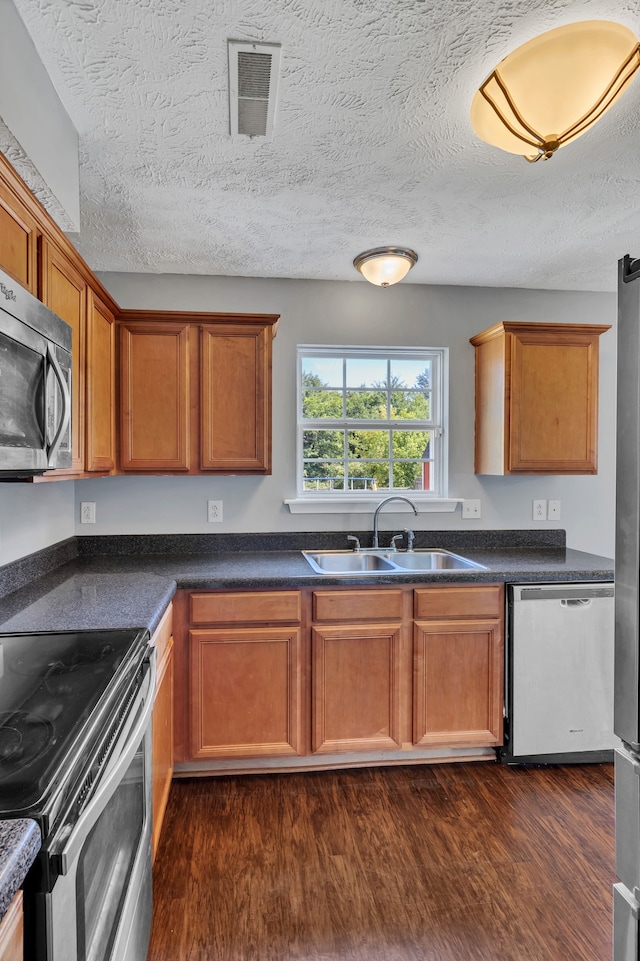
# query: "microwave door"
{"type": "Point", "coordinates": [22, 404]}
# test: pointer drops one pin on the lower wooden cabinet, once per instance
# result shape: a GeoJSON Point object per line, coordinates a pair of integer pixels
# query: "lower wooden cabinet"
{"type": "Point", "coordinates": [162, 726]}
{"type": "Point", "coordinates": [272, 680]}
{"type": "Point", "coordinates": [356, 688]}
{"type": "Point", "coordinates": [245, 692]}
{"type": "Point", "coordinates": [11, 931]}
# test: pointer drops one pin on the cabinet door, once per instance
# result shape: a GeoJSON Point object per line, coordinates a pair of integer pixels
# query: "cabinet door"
{"type": "Point", "coordinates": [458, 682]}
{"type": "Point", "coordinates": [246, 692]}
{"type": "Point", "coordinates": [18, 240]}
{"type": "Point", "coordinates": [356, 684]}
{"type": "Point", "coordinates": [554, 402]}
{"type": "Point", "coordinates": [162, 741]}
{"type": "Point", "coordinates": [63, 289]}
{"type": "Point", "coordinates": [154, 396]}
{"type": "Point", "coordinates": [100, 413]}
{"type": "Point", "coordinates": [11, 931]}
{"type": "Point", "coordinates": [235, 398]}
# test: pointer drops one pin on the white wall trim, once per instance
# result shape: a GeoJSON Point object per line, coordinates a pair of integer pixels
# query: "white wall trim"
{"type": "Point", "coordinates": [365, 505]}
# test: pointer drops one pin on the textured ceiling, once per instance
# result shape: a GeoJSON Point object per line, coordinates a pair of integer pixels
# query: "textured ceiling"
{"type": "Point", "coordinates": [372, 142]}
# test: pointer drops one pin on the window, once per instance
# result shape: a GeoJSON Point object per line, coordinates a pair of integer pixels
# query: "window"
{"type": "Point", "coordinates": [371, 420]}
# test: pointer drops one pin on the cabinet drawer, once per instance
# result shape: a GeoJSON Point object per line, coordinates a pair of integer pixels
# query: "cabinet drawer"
{"type": "Point", "coordinates": [162, 634]}
{"type": "Point", "coordinates": [482, 600]}
{"type": "Point", "coordinates": [364, 605]}
{"type": "Point", "coordinates": [245, 608]}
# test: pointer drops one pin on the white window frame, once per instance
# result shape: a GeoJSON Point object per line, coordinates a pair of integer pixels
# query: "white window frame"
{"type": "Point", "coordinates": [358, 501]}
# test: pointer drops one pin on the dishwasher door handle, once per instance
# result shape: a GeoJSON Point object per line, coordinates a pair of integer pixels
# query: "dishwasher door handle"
{"type": "Point", "coordinates": [575, 601]}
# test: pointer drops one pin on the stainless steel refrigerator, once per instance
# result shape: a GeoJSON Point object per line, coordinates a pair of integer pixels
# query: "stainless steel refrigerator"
{"type": "Point", "coordinates": [626, 893]}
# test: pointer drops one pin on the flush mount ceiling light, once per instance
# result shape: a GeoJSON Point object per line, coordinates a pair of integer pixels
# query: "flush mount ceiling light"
{"type": "Point", "coordinates": [385, 266]}
{"type": "Point", "coordinates": [553, 88]}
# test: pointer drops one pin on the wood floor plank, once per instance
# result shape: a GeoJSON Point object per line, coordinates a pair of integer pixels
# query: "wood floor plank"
{"type": "Point", "coordinates": [461, 862]}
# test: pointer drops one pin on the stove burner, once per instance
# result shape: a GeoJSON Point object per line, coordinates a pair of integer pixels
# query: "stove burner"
{"type": "Point", "coordinates": [66, 663]}
{"type": "Point", "coordinates": [23, 737]}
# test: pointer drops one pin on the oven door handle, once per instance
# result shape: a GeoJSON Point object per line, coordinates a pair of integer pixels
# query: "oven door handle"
{"type": "Point", "coordinates": [52, 449]}
{"type": "Point", "coordinates": [111, 776]}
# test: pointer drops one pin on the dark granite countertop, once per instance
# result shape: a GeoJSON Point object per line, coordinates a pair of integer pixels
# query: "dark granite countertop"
{"type": "Point", "coordinates": [19, 844]}
{"type": "Point", "coordinates": [131, 588]}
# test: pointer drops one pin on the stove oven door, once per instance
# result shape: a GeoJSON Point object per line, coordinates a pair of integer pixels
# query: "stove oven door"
{"type": "Point", "coordinates": [100, 906]}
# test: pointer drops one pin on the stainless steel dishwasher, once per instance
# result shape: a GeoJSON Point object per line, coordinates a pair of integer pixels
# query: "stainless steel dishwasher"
{"type": "Point", "coordinates": [559, 673]}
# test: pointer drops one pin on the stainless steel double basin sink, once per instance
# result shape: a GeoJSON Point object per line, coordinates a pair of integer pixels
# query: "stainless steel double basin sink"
{"type": "Point", "coordinates": [387, 562]}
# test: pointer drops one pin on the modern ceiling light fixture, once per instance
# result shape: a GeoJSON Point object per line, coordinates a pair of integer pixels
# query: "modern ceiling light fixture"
{"type": "Point", "coordinates": [384, 266]}
{"type": "Point", "coordinates": [553, 88]}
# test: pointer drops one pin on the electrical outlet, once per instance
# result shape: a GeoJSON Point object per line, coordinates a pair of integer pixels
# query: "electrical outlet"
{"type": "Point", "coordinates": [471, 508]}
{"type": "Point", "coordinates": [88, 512]}
{"type": "Point", "coordinates": [553, 512]}
{"type": "Point", "coordinates": [539, 510]}
{"type": "Point", "coordinates": [214, 512]}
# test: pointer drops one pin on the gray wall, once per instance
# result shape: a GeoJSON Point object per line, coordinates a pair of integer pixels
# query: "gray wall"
{"type": "Point", "coordinates": [33, 516]}
{"type": "Point", "coordinates": [315, 312]}
{"type": "Point", "coordinates": [34, 115]}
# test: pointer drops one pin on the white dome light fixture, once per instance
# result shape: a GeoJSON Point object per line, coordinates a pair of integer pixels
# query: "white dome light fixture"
{"type": "Point", "coordinates": [553, 88]}
{"type": "Point", "coordinates": [385, 266]}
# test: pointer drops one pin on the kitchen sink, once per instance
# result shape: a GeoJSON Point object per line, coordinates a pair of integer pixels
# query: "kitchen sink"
{"type": "Point", "coordinates": [387, 562]}
{"type": "Point", "coordinates": [428, 560]}
{"type": "Point", "coordinates": [348, 562]}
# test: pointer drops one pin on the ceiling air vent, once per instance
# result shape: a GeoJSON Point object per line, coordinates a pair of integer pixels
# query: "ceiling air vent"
{"type": "Point", "coordinates": [253, 87]}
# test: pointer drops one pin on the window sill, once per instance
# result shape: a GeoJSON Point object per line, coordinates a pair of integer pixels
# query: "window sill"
{"type": "Point", "coordinates": [368, 504]}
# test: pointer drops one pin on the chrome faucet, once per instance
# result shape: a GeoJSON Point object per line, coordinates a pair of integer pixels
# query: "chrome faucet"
{"type": "Point", "coordinates": [387, 500]}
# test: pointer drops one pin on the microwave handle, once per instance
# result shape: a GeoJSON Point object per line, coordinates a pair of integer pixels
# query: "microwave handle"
{"type": "Point", "coordinates": [52, 449]}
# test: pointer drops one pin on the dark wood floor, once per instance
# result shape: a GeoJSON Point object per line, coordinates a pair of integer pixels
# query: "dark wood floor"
{"type": "Point", "coordinates": [466, 862]}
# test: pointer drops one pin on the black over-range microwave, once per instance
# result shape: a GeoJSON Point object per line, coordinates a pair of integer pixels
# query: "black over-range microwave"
{"type": "Point", "coordinates": [35, 384]}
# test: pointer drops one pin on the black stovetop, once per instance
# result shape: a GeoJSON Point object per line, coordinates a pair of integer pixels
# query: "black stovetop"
{"type": "Point", "coordinates": [51, 685]}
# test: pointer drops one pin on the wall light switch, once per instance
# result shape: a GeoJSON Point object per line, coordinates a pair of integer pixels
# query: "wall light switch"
{"type": "Point", "coordinates": [553, 512]}
{"type": "Point", "coordinates": [539, 510]}
{"type": "Point", "coordinates": [471, 508]}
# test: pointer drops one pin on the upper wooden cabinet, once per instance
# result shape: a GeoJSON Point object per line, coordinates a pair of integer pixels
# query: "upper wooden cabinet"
{"type": "Point", "coordinates": [537, 398]}
{"type": "Point", "coordinates": [64, 289]}
{"type": "Point", "coordinates": [195, 392]}
{"type": "Point", "coordinates": [18, 240]}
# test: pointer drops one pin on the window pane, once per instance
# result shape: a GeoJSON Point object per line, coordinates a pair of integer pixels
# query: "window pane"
{"type": "Point", "coordinates": [366, 405]}
{"type": "Point", "coordinates": [410, 405]}
{"type": "Point", "coordinates": [368, 475]}
{"type": "Point", "coordinates": [411, 373]}
{"type": "Point", "coordinates": [366, 372]}
{"type": "Point", "coordinates": [410, 475]}
{"type": "Point", "coordinates": [317, 404]}
{"type": "Point", "coordinates": [411, 443]}
{"type": "Point", "coordinates": [322, 372]}
{"type": "Point", "coordinates": [321, 476]}
{"type": "Point", "coordinates": [368, 443]}
{"type": "Point", "coordinates": [323, 443]}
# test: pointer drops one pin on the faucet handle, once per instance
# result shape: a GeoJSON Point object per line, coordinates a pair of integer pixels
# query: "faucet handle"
{"type": "Point", "coordinates": [352, 537]}
{"type": "Point", "coordinates": [392, 544]}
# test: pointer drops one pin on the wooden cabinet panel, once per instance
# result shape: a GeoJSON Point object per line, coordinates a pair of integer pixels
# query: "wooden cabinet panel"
{"type": "Point", "coordinates": [465, 600]}
{"type": "Point", "coordinates": [100, 409]}
{"type": "Point", "coordinates": [246, 692]}
{"type": "Point", "coordinates": [235, 400]}
{"type": "Point", "coordinates": [458, 681]}
{"type": "Point", "coordinates": [11, 931]}
{"type": "Point", "coordinates": [64, 290]}
{"type": "Point", "coordinates": [356, 686]}
{"type": "Point", "coordinates": [154, 396]}
{"type": "Point", "coordinates": [537, 398]}
{"type": "Point", "coordinates": [366, 604]}
{"type": "Point", "coordinates": [162, 724]}
{"type": "Point", "coordinates": [245, 607]}
{"type": "Point", "coordinates": [162, 742]}
{"type": "Point", "coordinates": [18, 240]}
